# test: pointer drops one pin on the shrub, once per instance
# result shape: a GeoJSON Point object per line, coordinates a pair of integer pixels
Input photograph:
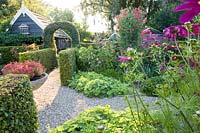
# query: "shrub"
{"type": "Point", "coordinates": [103, 119]}
{"type": "Point", "coordinates": [96, 58]}
{"type": "Point", "coordinates": [67, 63]}
{"type": "Point", "coordinates": [31, 68]}
{"type": "Point", "coordinates": [17, 108]}
{"type": "Point", "coordinates": [11, 53]}
{"type": "Point", "coordinates": [149, 85]}
{"type": "Point", "coordinates": [130, 25]}
{"type": "Point", "coordinates": [18, 40]}
{"type": "Point", "coordinates": [47, 57]}
{"type": "Point", "coordinates": [156, 19]}
{"type": "Point", "coordinates": [97, 85]}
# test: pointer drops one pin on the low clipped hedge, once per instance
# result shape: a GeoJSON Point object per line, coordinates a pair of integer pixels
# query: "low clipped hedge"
{"type": "Point", "coordinates": [18, 39]}
{"type": "Point", "coordinates": [17, 108]}
{"type": "Point", "coordinates": [83, 44]}
{"type": "Point", "coordinates": [105, 120]}
{"type": "Point", "coordinates": [47, 57]}
{"type": "Point", "coordinates": [67, 63]}
{"type": "Point", "coordinates": [97, 85]}
{"type": "Point", "coordinates": [10, 53]}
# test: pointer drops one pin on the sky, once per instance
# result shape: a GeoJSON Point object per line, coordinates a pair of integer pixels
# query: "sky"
{"type": "Point", "coordinates": [70, 4]}
{"type": "Point", "coordinates": [63, 3]}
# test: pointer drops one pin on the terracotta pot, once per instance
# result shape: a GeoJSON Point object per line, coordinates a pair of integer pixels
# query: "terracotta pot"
{"type": "Point", "coordinates": [39, 82]}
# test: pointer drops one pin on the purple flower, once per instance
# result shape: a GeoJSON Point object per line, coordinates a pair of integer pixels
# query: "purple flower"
{"type": "Point", "coordinates": [192, 8]}
{"type": "Point", "coordinates": [173, 31]}
{"type": "Point", "coordinates": [192, 63]}
{"type": "Point", "coordinates": [182, 31]}
{"type": "Point", "coordinates": [195, 29]}
{"type": "Point", "coordinates": [162, 68]}
{"type": "Point", "coordinates": [123, 59]}
{"type": "Point", "coordinates": [181, 66]}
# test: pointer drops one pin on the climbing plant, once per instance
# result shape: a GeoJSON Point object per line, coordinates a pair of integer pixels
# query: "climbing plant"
{"type": "Point", "coordinates": [68, 27]}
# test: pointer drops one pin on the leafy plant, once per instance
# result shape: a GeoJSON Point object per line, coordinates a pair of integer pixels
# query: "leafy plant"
{"type": "Point", "coordinates": [156, 19]}
{"type": "Point", "coordinates": [18, 111]}
{"type": "Point", "coordinates": [11, 53]}
{"type": "Point", "coordinates": [31, 68]}
{"type": "Point", "coordinates": [150, 85]}
{"type": "Point", "coordinates": [130, 25]}
{"type": "Point", "coordinates": [47, 57]}
{"type": "Point", "coordinates": [98, 58]}
{"type": "Point", "coordinates": [97, 85]}
{"type": "Point", "coordinates": [103, 119]}
{"type": "Point", "coordinates": [18, 39]}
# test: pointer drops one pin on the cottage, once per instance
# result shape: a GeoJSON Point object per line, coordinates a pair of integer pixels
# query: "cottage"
{"type": "Point", "coordinates": [29, 23]}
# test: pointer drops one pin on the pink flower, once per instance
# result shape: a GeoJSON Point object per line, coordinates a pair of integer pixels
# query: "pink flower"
{"type": "Point", "coordinates": [192, 8]}
{"type": "Point", "coordinates": [173, 31]}
{"type": "Point", "coordinates": [123, 59]}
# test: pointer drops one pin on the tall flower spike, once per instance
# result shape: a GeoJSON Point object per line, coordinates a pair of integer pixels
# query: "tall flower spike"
{"type": "Point", "coordinates": [192, 8]}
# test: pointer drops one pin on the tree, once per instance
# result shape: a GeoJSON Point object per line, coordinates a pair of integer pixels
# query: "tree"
{"type": "Point", "coordinates": [111, 8]}
{"type": "Point", "coordinates": [59, 15]}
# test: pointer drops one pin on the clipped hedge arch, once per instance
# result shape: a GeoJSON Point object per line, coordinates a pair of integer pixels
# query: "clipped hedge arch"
{"type": "Point", "coordinates": [68, 27]}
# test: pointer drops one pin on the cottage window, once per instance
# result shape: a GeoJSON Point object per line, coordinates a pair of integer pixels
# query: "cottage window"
{"type": "Point", "coordinates": [24, 29]}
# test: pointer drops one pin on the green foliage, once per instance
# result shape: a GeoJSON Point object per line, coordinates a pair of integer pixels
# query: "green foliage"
{"type": "Point", "coordinates": [82, 44]}
{"type": "Point", "coordinates": [47, 57]}
{"type": "Point", "coordinates": [164, 18]}
{"type": "Point", "coordinates": [150, 85]}
{"type": "Point", "coordinates": [103, 120]}
{"type": "Point", "coordinates": [67, 63]}
{"type": "Point", "coordinates": [18, 39]}
{"type": "Point", "coordinates": [84, 34]}
{"type": "Point", "coordinates": [68, 27]}
{"type": "Point", "coordinates": [59, 15]}
{"type": "Point", "coordinates": [130, 25]}
{"type": "Point", "coordinates": [96, 58]}
{"type": "Point", "coordinates": [97, 85]}
{"type": "Point", "coordinates": [10, 53]}
{"type": "Point", "coordinates": [17, 108]}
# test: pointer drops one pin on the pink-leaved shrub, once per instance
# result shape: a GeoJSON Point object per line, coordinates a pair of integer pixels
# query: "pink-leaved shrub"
{"type": "Point", "coordinates": [31, 68]}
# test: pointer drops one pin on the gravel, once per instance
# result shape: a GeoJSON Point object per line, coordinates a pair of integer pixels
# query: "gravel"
{"type": "Point", "coordinates": [57, 104]}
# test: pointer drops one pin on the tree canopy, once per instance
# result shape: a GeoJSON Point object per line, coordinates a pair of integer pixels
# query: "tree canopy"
{"type": "Point", "coordinates": [59, 15]}
{"type": "Point", "coordinates": [111, 8]}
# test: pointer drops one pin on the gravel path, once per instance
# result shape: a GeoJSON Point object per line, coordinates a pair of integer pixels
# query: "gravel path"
{"type": "Point", "coordinates": [57, 104]}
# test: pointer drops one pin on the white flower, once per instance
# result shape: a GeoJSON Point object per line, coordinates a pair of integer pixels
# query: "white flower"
{"type": "Point", "coordinates": [198, 112]}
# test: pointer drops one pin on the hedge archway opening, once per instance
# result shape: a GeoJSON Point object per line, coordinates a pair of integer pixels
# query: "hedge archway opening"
{"type": "Point", "coordinates": [68, 27]}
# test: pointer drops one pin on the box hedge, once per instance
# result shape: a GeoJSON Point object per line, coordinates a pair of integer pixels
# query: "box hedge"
{"type": "Point", "coordinates": [67, 63]}
{"type": "Point", "coordinates": [10, 53]}
{"type": "Point", "coordinates": [46, 57]}
{"type": "Point", "coordinates": [18, 112]}
{"type": "Point", "coordinates": [18, 39]}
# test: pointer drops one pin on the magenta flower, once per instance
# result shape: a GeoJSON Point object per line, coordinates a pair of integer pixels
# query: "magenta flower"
{"type": "Point", "coordinates": [123, 59]}
{"type": "Point", "coordinates": [191, 62]}
{"type": "Point", "coordinates": [173, 31]}
{"type": "Point", "coordinates": [195, 29]}
{"type": "Point", "coordinates": [192, 8]}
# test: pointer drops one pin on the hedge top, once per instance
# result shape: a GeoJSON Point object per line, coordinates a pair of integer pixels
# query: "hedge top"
{"type": "Point", "coordinates": [68, 27]}
{"type": "Point", "coordinates": [9, 83]}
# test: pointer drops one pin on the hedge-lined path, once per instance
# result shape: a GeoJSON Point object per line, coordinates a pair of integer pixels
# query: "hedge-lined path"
{"type": "Point", "coordinates": [57, 104]}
